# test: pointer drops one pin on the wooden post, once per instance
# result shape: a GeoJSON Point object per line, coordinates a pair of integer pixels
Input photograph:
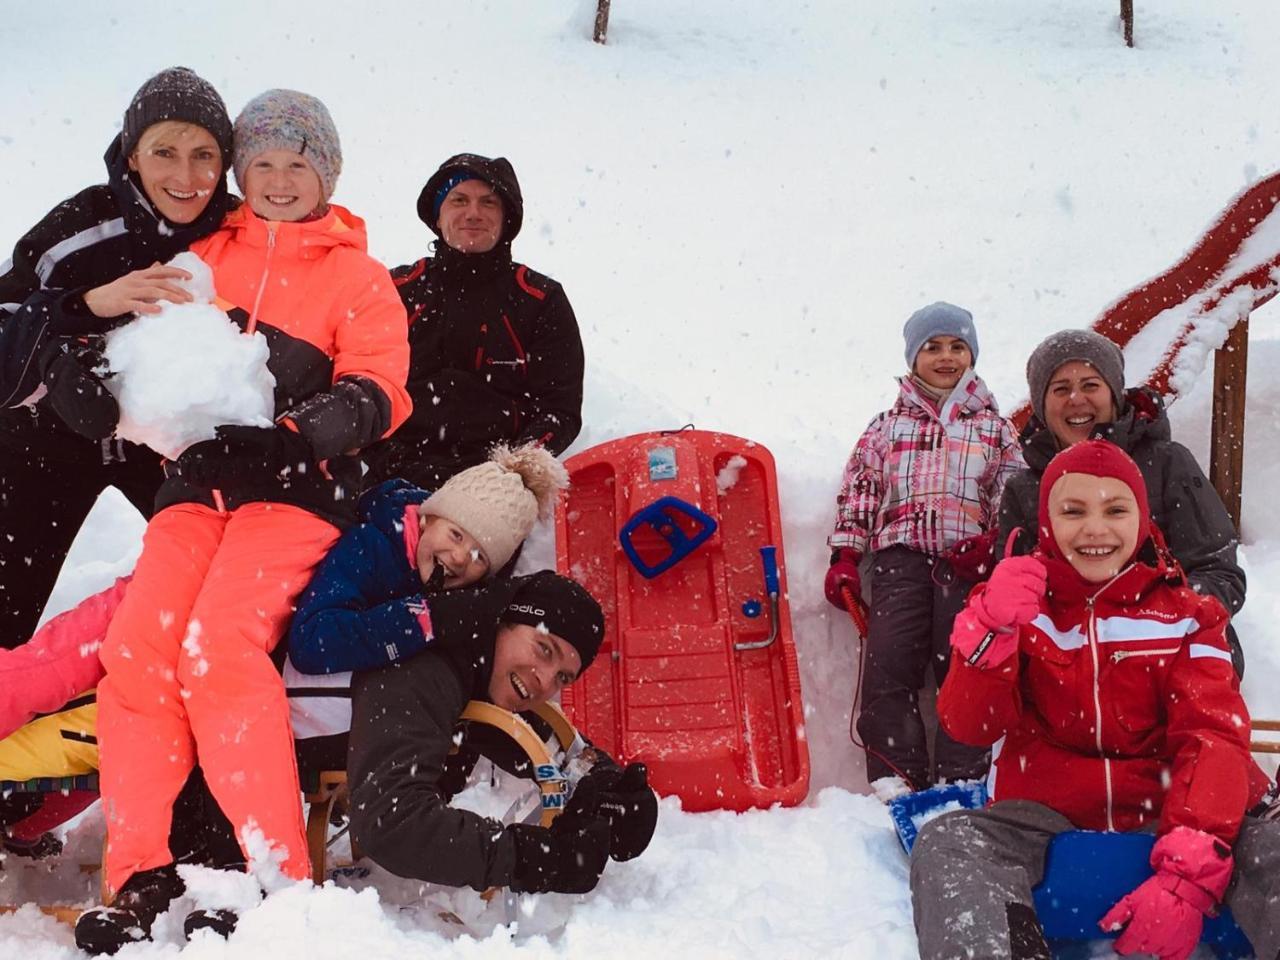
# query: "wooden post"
{"type": "Point", "coordinates": [1226, 443]}
{"type": "Point", "coordinates": [602, 21]}
{"type": "Point", "coordinates": [1126, 21]}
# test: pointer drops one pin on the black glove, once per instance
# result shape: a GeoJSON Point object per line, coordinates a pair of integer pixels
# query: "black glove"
{"type": "Point", "coordinates": [238, 453]}
{"type": "Point", "coordinates": [625, 800]}
{"type": "Point", "coordinates": [567, 857]}
{"type": "Point", "coordinates": [76, 393]}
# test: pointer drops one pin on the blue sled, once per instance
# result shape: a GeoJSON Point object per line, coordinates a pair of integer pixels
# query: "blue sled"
{"type": "Point", "coordinates": [1085, 873]}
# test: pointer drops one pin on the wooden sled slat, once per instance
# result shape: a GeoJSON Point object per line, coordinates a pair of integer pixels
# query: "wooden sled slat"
{"type": "Point", "coordinates": [1266, 744]}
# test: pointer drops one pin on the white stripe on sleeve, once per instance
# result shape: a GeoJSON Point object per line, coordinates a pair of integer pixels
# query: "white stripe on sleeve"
{"type": "Point", "coordinates": [1204, 650]}
{"type": "Point", "coordinates": [77, 241]}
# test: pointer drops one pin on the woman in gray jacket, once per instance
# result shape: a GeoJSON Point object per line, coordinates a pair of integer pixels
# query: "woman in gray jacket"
{"type": "Point", "coordinates": [1076, 380]}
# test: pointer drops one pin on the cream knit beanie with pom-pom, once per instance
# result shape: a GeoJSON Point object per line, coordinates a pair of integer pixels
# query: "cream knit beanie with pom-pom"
{"type": "Point", "coordinates": [498, 501]}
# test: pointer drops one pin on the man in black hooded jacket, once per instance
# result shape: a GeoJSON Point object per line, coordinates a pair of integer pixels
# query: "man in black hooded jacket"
{"type": "Point", "coordinates": [496, 356]}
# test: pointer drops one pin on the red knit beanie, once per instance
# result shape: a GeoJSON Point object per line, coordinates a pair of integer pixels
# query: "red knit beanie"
{"type": "Point", "coordinates": [1096, 458]}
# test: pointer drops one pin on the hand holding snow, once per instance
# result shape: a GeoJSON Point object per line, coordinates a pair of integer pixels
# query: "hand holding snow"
{"type": "Point", "coordinates": [181, 373]}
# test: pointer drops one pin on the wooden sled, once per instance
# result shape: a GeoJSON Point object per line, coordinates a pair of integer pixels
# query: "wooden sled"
{"type": "Point", "coordinates": [548, 773]}
{"type": "Point", "coordinates": [88, 781]}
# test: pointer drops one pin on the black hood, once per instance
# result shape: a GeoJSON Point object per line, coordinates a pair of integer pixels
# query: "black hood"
{"type": "Point", "coordinates": [148, 229]}
{"type": "Point", "coordinates": [497, 172]}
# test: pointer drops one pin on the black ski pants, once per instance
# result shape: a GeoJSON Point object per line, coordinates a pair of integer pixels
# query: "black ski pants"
{"type": "Point", "coordinates": [914, 602]}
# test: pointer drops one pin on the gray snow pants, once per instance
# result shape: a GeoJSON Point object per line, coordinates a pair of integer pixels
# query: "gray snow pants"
{"type": "Point", "coordinates": [909, 634]}
{"type": "Point", "coordinates": [972, 872]}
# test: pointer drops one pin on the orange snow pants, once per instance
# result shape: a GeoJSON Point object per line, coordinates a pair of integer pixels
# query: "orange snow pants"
{"type": "Point", "coordinates": [190, 679]}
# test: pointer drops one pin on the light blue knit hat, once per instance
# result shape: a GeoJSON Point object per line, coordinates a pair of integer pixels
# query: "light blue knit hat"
{"type": "Point", "coordinates": [939, 319]}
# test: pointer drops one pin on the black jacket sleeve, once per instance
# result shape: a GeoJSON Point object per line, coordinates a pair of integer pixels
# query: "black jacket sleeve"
{"type": "Point", "coordinates": [1199, 531]}
{"type": "Point", "coordinates": [1019, 506]}
{"type": "Point", "coordinates": [402, 726]}
{"type": "Point", "coordinates": [551, 412]}
{"type": "Point", "coordinates": [32, 315]}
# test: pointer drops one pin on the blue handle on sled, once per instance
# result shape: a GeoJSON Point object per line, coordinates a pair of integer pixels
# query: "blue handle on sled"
{"type": "Point", "coordinates": [661, 516]}
{"type": "Point", "coordinates": [769, 557]}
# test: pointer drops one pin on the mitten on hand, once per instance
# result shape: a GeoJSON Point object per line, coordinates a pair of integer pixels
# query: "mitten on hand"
{"type": "Point", "coordinates": [985, 632]}
{"type": "Point", "coordinates": [1165, 915]}
{"type": "Point", "coordinates": [239, 452]}
{"type": "Point", "coordinates": [567, 857]}
{"type": "Point", "coordinates": [623, 798]}
{"type": "Point", "coordinates": [973, 558]}
{"type": "Point", "coordinates": [843, 572]}
{"type": "Point", "coordinates": [1012, 596]}
{"type": "Point", "coordinates": [76, 393]}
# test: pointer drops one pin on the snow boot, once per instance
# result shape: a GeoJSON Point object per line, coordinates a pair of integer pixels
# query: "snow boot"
{"type": "Point", "coordinates": [221, 922]}
{"type": "Point", "coordinates": [41, 848]}
{"type": "Point", "coordinates": [144, 896]}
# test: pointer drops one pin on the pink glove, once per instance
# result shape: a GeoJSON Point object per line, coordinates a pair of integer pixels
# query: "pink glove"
{"type": "Point", "coordinates": [1013, 595]}
{"type": "Point", "coordinates": [843, 571]}
{"type": "Point", "coordinates": [1165, 915]}
{"type": "Point", "coordinates": [985, 633]}
{"type": "Point", "coordinates": [973, 558]}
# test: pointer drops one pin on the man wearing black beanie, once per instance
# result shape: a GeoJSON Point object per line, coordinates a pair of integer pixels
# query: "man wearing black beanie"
{"type": "Point", "coordinates": [515, 643]}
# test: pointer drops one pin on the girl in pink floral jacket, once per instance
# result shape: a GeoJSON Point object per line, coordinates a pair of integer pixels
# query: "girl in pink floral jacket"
{"type": "Point", "coordinates": [919, 497]}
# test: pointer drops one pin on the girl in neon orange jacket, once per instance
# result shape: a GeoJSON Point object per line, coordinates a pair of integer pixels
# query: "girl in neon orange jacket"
{"type": "Point", "coordinates": [243, 519]}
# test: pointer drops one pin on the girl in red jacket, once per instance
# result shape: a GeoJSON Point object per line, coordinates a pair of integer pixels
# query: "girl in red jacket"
{"type": "Point", "coordinates": [1106, 685]}
{"type": "Point", "coordinates": [243, 519]}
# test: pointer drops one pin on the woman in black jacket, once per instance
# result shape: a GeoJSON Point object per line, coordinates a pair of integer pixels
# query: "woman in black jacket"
{"type": "Point", "coordinates": [90, 264]}
{"type": "Point", "coordinates": [1076, 379]}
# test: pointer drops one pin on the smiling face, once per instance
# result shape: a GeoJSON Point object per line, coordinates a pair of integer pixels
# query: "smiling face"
{"type": "Point", "coordinates": [942, 361]}
{"type": "Point", "coordinates": [530, 666]}
{"type": "Point", "coordinates": [281, 185]}
{"type": "Point", "coordinates": [1095, 523]}
{"type": "Point", "coordinates": [1076, 401]}
{"type": "Point", "coordinates": [443, 542]}
{"type": "Point", "coordinates": [471, 217]}
{"type": "Point", "coordinates": [179, 166]}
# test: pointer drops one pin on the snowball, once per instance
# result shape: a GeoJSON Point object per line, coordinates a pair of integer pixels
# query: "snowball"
{"type": "Point", "coordinates": [181, 373]}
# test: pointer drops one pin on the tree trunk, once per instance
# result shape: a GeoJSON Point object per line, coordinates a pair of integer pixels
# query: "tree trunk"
{"type": "Point", "coordinates": [1126, 20]}
{"type": "Point", "coordinates": [602, 20]}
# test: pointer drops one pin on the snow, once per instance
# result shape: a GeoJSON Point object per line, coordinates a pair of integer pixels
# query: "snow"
{"type": "Point", "coordinates": [744, 202]}
{"type": "Point", "coordinates": [187, 369]}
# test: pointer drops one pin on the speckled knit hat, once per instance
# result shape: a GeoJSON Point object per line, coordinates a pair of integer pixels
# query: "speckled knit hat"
{"type": "Point", "coordinates": [498, 501]}
{"type": "Point", "coordinates": [289, 120]}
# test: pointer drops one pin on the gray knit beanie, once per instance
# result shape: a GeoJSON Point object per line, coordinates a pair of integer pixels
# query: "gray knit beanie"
{"type": "Point", "coordinates": [179, 94]}
{"type": "Point", "coordinates": [939, 319]}
{"type": "Point", "coordinates": [289, 120]}
{"type": "Point", "coordinates": [1067, 345]}
{"type": "Point", "coordinates": [498, 501]}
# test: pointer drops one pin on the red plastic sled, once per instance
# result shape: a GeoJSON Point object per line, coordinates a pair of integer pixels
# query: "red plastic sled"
{"type": "Point", "coordinates": [697, 676]}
